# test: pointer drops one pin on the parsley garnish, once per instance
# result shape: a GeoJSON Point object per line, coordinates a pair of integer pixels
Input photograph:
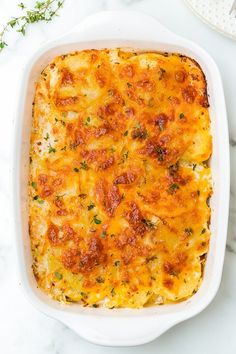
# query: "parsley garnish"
{"type": "Point", "coordinates": [103, 234]}
{"type": "Point", "coordinates": [125, 156]}
{"type": "Point", "coordinates": [96, 220]}
{"type": "Point", "coordinates": [88, 119]}
{"type": "Point", "coordinates": [40, 201]}
{"type": "Point", "coordinates": [160, 153]}
{"type": "Point", "coordinates": [58, 275]}
{"type": "Point", "coordinates": [51, 149]}
{"type": "Point", "coordinates": [91, 206]}
{"type": "Point", "coordinates": [76, 169]}
{"type": "Point", "coordinates": [203, 231]}
{"type": "Point", "coordinates": [173, 188]}
{"type": "Point", "coordinates": [181, 116]}
{"type": "Point", "coordinates": [188, 231]}
{"type": "Point", "coordinates": [126, 133]}
{"type": "Point", "coordinates": [149, 224]}
{"type": "Point", "coordinates": [83, 165]}
{"type": "Point", "coordinates": [46, 137]}
{"type": "Point", "coordinates": [34, 185]}
{"type": "Point", "coordinates": [129, 84]}
{"type": "Point", "coordinates": [117, 263]}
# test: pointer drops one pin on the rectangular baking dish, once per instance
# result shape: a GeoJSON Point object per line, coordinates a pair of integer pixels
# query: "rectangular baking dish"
{"type": "Point", "coordinates": [123, 327]}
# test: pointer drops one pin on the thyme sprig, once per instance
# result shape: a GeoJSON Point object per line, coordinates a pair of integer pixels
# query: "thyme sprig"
{"type": "Point", "coordinates": [42, 11]}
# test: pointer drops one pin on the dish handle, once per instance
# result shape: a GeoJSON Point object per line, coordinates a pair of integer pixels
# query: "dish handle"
{"type": "Point", "coordinates": [119, 331]}
{"type": "Point", "coordinates": [130, 25]}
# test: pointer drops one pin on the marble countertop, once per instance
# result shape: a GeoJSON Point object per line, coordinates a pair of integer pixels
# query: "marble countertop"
{"type": "Point", "coordinates": [23, 330]}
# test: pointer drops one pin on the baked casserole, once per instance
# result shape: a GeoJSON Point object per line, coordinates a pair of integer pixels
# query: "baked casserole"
{"type": "Point", "coordinates": [119, 181]}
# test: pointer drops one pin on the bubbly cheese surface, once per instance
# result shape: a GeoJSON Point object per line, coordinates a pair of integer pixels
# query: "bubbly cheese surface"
{"type": "Point", "coordinates": [119, 183]}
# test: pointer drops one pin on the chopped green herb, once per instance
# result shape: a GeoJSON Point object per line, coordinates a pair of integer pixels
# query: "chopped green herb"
{"type": "Point", "coordinates": [117, 263]}
{"type": "Point", "coordinates": [188, 231]}
{"type": "Point", "coordinates": [126, 133]}
{"type": "Point", "coordinates": [113, 293]}
{"type": "Point", "coordinates": [58, 275]}
{"type": "Point", "coordinates": [203, 231]}
{"type": "Point", "coordinates": [96, 220]}
{"type": "Point", "coordinates": [76, 169]}
{"type": "Point", "coordinates": [160, 153]}
{"type": "Point", "coordinates": [103, 234]}
{"type": "Point", "coordinates": [88, 119]}
{"type": "Point", "coordinates": [40, 201]}
{"type": "Point", "coordinates": [194, 166]}
{"type": "Point", "coordinates": [181, 116]}
{"type": "Point", "coordinates": [95, 306]}
{"type": "Point", "coordinates": [51, 149]}
{"type": "Point", "coordinates": [91, 206]}
{"type": "Point", "coordinates": [36, 197]}
{"type": "Point", "coordinates": [125, 156]}
{"type": "Point", "coordinates": [173, 188]}
{"type": "Point", "coordinates": [84, 295]}
{"type": "Point", "coordinates": [149, 224]}
{"type": "Point", "coordinates": [34, 185]}
{"type": "Point", "coordinates": [83, 165]}
{"type": "Point", "coordinates": [64, 148]}
{"type": "Point", "coordinates": [129, 84]}
{"type": "Point", "coordinates": [46, 137]}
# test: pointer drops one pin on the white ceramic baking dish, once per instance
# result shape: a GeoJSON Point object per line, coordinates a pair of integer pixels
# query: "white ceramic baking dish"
{"type": "Point", "coordinates": [123, 327]}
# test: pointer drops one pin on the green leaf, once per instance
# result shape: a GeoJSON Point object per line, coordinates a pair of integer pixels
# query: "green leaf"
{"type": "Point", "coordinates": [91, 206]}
{"type": "Point", "coordinates": [34, 185]}
{"type": "Point", "coordinates": [103, 234]}
{"type": "Point", "coordinates": [83, 165]}
{"type": "Point", "coordinates": [76, 169]}
{"type": "Point", "coordinates": [13, 22]}
{"type": "Point", "coordinates": [40, 201]}
{"type": "Point", "coordinates": [21, 5]}
{"type": "Point", "coordinates": [173, 188]}
{"type": "Point", "coordinates": [96, 220]}
{"type": "Point", "coordinates": [46, 137]}
{"type": "Point", "coordinates": [51, 149]}
{"type": "Point", "coordinates": [58, 275]}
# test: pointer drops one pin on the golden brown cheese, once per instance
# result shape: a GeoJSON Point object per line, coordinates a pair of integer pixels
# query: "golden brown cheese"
{"type": "Point", "coordinates": [119, 182]}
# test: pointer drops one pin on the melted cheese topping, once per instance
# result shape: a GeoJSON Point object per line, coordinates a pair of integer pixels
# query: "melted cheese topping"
{"type": "Point", "coordinates": [119, 182]}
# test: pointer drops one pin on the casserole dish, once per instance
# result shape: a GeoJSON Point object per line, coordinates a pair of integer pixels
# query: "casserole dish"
{"type": "Point", "coordinates": [122, 327]}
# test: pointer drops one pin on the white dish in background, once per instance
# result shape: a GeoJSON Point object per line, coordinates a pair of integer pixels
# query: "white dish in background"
{"type": "Point", "coordinates": [216, 13]}
{"type": "Point", "coordinates": [123, 327]}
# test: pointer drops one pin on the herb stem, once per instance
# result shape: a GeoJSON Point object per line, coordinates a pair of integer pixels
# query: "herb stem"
{"type": "Point", "coordinates": [42, 11]}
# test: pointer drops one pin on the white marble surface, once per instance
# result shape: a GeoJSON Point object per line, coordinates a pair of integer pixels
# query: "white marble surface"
{"type": "Point", "coordinates": [23, 330]}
